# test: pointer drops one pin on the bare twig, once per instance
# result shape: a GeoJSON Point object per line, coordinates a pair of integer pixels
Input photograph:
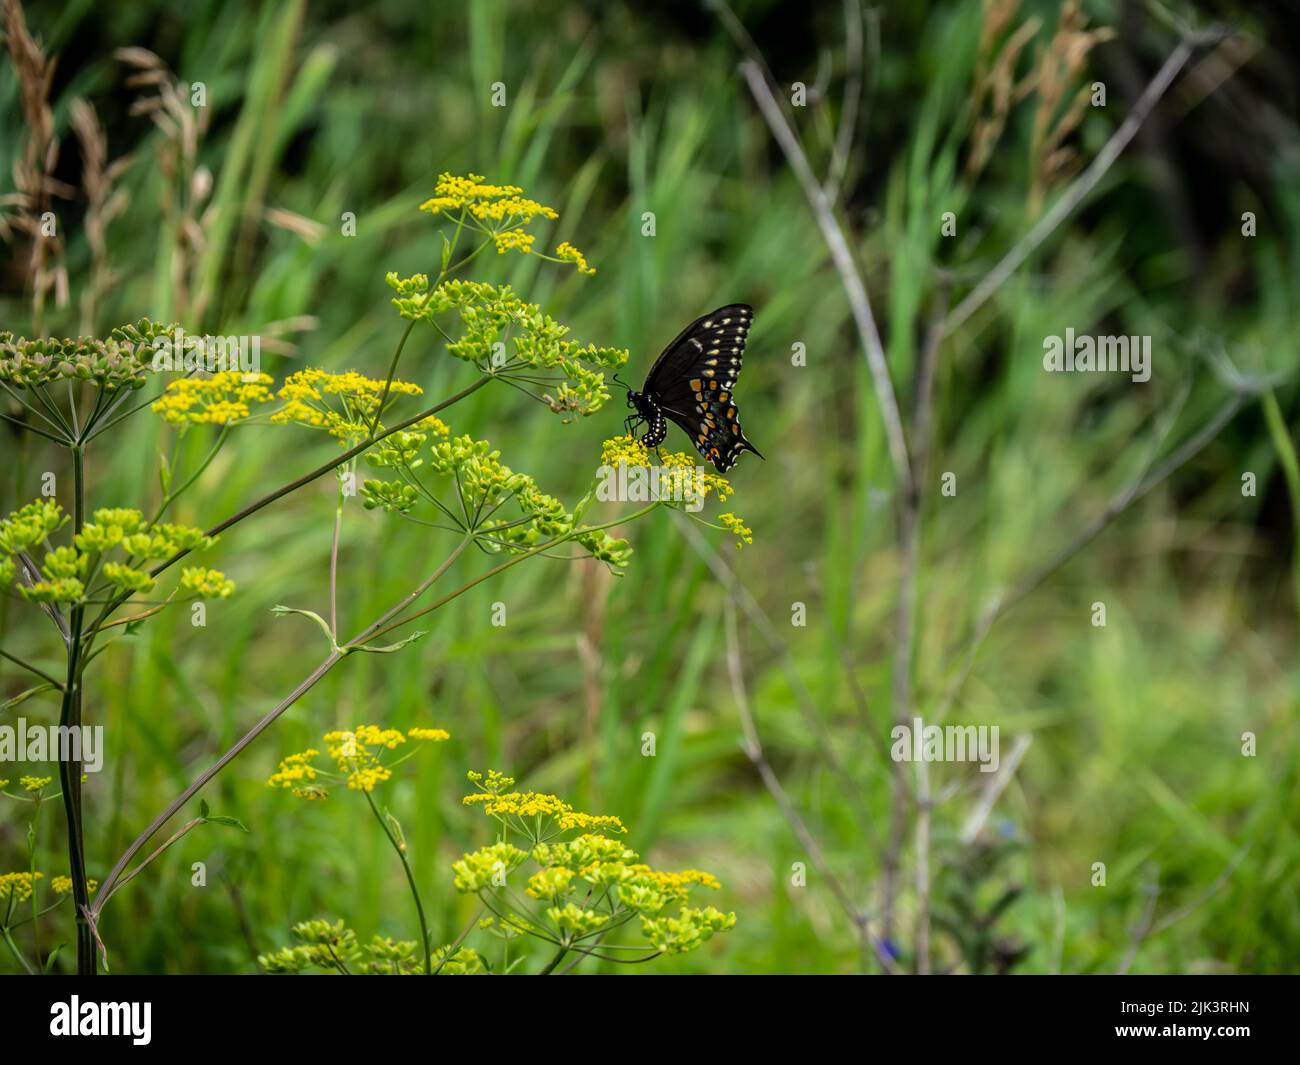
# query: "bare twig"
{"type": "Point", "coordinates": [1079, 188]}
{"type": "Point", "coordinates": [824, 742]}
{"type": "Point", "coordinates": [993, 790]}
{"type": "Point", "coordinates": [1118, 504]}
{"type": "Point", "coordinates": [1213, 889]}
{"type": "Point", "coordinates": [906, 637]}
{"type": "Point", "coordinates": [753, 748]}
{"type": "Point", "coordinates": [1140, 930]}
{"type": "Point", "coordinates": [1148, 926]}
{"type": "Point", "coordinates": [842, 257]}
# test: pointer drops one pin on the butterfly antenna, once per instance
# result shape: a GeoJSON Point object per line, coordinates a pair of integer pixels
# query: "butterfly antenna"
{"type": "Point", "coordinates": [626, 386]}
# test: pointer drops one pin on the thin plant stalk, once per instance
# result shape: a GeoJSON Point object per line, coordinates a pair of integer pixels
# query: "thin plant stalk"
{"type": "Point", "coordinates": [400, 848]}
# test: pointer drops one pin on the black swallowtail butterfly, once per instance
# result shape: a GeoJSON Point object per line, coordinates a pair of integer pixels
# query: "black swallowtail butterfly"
{"type": "Point", "coordinates": [691, 383]}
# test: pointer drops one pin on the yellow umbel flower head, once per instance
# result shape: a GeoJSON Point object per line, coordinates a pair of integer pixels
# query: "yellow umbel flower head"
{"type": "Point", "coordinates": [343, 404]}
{"type": "Point", "coordinates": [222, 399]}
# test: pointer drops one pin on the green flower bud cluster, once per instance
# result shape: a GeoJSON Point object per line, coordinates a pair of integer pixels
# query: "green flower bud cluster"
{"type": "Point", "coordinates": [483, 482]}
{"type": "Point", "coordinates": [124, 360]}
{"type": "Point", "coordinates": [334, 947]}
{"type": "Point", "coordinates": [491, 315]}
{"type": "Point", "coordinates": [484, 868]}
{"type": "Point", "coordinates": [66, 569]}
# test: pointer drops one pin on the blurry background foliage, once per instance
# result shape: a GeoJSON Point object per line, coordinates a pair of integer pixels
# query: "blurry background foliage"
{"type": "Point", "coordinates": [230, 223]}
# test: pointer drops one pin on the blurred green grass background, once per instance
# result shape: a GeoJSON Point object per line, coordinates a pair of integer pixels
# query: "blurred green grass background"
{"type": "Point", "coordinates": [614, 110]}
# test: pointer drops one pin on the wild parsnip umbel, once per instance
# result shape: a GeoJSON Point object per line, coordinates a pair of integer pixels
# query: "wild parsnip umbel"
{"type": "Point", "coordinates": [97, 572]}
{"type": "Point", "coordinates": [585, 885]}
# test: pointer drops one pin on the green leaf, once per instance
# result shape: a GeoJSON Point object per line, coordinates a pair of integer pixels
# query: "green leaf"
{"type": "Point", "coordinates": [395, 827]}
{"type": "Point", "coordinates": [230, 822]}
{"type": "Point", "coordinates": [389, 649]}
{"type": "Point", "coordinates": [324, 626]}
{"type": "Point", "coordinates": [49, 962]}
{"type": "Point", "coordinates": [24, 696]}
{"type": "Point", "coordinates": [203, 808]}
{"type": "Point", "coordinates": [582, 506]}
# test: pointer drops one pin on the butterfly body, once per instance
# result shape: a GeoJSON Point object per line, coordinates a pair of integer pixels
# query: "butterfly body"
{"type": "Point", "coordinates": [691, 383]}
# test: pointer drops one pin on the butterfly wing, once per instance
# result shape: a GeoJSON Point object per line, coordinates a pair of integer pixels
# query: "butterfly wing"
{"type": "Point", "coordinates": [692, 382]}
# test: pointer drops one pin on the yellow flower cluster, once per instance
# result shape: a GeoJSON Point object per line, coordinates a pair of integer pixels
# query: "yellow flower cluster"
{"type": "Point", "coordinates": [62, 885]}
{"type": "Point", "coordinates": [742, 532]}
{"type": "Point", "coordinates": [18, 886]}
{"type": "Point", "coordinates": [575, 921]}
{"type": "Point", "coordinates": [343, 404]}
{"type": "Point", "coordinates": [690, 929]}
{"type": "Point", "coordinates": [567, 253]}
{"type": "Point", "coordinates": [351, 750]}
{"type": "Point", "coordinates": [31, 524]}
{"type": "Point", "coordinates": [501, 212]}
{"type": "Point", "coordinates": [680, 478]}
{"type": "Point", "coordinates": [334, 946]}
{"type": "Point", "coordinates": [222, 399]}
{"type": "Point", "coordinates": [453, 191]}
{"type": "Point", "coordinates": [550, 883]}
{"type": "Point", "coordinates": [513, 239]}
{"type": "Point", "coordinates": [494, 781]}
{"type": "Point", "coordinates": [438, 735]}
{"type": "Point", "coordinates": [676, 884]}
{"type": "Point", "coordinates": [357, 754]}
{"type": "Point", "coordinates": [516, 210]}
{"type": "Point", "coordinates": [673, 466]}
{"type": "Point", "coordinates": [35, 783]}
{"type": "Point", "coordinates": [294, 770]}
{"type": "Point", "coordinates": [65, 568]}
{"type": "Point", "coordinates": [526, 804]}
{"type": "Point", "coordinates": [495, 202]}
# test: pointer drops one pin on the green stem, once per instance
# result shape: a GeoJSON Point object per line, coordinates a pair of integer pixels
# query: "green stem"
{"type": "Point", "coordinates": [172, 496]}
{"type": "Point", "coordinates": [507, 565]}
{"type": "Point", "coordinates": [106, 889]}
{"type": "Point", "coordinates": [334, 563]}
{"type": "Point", "coordinates": [292, 486]}
{"type": "Point", "coordinates": [400, 849]}
{"type": "Point", "coordinates": [69, 769]}
{"type": "Point", "coordinates": [401, 343]}
{"type": "Point", "coordinates": [140, 868]}
{"type": "Point", "coordinates": [559, 957]}
{"type": "Point", "coordinates": [31, 668]}
{"type": "Point", "coordinates": [16, 952]}
{"type": "Point", "coordinates": [33, 845]}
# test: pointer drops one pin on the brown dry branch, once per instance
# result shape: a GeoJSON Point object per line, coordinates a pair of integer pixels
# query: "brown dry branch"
{"type": "Point", "coordinates": [185, 184]}
{"type": "Point", "coordinates": [33, 173]}
{"type": "Point", "coordinates": [1060, 65]}
{"type": "Point", "coordinates": [842, 257]}
{"type": "Point", "coordinates": [996, 82]}
{"type": "Point", "coordinates": [1079, 189]}
{"type": "Point", "coordinates": [104, 203]}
